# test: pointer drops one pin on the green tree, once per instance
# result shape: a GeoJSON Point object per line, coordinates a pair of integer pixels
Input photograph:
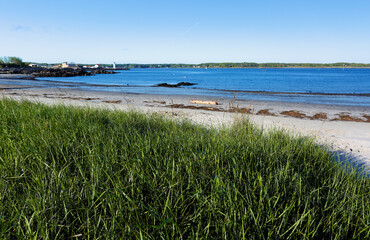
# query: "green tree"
{"type": "Point", "coordinates": [16, 60]}
{"type": "Point", "coordinates": [12, 62]}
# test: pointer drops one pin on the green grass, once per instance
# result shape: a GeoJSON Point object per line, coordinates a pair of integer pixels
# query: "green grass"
{"type": "Point", "coordinates": [109, 175]}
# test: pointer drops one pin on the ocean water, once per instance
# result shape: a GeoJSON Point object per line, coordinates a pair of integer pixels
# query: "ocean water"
{"type": "Point", "coordinates": [324, 86]}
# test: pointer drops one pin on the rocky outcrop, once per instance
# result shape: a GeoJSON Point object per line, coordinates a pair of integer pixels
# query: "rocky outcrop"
{"type": "Point", "coordinates": [175, 85]}
{"type": "Point", "coordinates": [18, 70]}
{"type": "Point", "coordinates": [101, 71]}
{"type": "Point", "coordinates": [65, 72]}
{"type": "Point", "coordinates": [55, 72]}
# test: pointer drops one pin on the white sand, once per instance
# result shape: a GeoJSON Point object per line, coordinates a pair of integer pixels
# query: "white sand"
{"type": "Point", "coordinates": [352, 138]}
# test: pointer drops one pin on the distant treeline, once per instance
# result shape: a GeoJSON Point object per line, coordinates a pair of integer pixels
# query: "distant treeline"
{"type": "Point", "coordinates": [17, 62]}
{"type": "Point", "coordinates": [247, 65]}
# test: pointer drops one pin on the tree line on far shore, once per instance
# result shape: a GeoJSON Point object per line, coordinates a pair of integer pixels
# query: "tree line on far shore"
{"type": "Point", "coordinates": [249, 65]}
{"type": "Point", "coordinates": [18, 62]}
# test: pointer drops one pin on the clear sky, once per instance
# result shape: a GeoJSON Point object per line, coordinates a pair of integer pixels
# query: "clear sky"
{"type": "Point", "coordinates": [164, 31]}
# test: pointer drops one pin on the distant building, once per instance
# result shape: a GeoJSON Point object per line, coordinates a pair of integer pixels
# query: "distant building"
{"type": "Point", "coordinates": [33, 65]}
{"type": "Point", "coordinates": [114, 65]}
{"type": "Point", "coordinates": [96, 66]}
{"type": "Point", "coordinates": [66, 65]}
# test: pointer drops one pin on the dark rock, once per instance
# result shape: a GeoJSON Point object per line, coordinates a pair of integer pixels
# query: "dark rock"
{"type": "Point", "coordinates": [175, 85]}
{"type": "Point", "coordinates": [64, 72]}
{"type": "Point", "coordinates": [165, 85]}
{"type": "Point", "coordinates": [55, 72]}
{"type": "Point", "coordinates": [101, 71]}
{"type": "Point", "coordinates": [185, 84]}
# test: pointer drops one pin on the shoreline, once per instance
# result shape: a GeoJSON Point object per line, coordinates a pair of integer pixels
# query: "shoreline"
{"type": "Point", "coordinates": [343, 128]}
{"type": "Point", "coordinates": [42, 79]}
{"type": "Point", "coordinates": [313, 111]}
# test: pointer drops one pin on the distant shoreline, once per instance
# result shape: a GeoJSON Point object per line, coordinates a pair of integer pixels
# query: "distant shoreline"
{"type": "Point", "coordinates": [295, 67]}
{"type": "Point", "coordinates": [178, 66]}
{"type": "Point", "coordinates": [253, 67]}
{"type": "Point", "coordinates": [124, 66]}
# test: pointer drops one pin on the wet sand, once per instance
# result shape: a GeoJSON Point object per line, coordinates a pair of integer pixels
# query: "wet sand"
{"type": "Point", "coordinates": [345, 129]}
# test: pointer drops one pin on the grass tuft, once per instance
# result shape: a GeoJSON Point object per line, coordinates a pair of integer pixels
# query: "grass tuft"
{"type": "Point", "coordinates": [68, 172]}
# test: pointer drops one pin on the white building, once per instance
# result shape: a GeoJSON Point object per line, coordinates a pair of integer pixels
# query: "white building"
{"type": "Point", "coordinates": [66, 65]}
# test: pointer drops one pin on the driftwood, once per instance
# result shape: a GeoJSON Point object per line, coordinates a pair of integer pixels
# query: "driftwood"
{"type": "Point", "coordinates": [204, 102]}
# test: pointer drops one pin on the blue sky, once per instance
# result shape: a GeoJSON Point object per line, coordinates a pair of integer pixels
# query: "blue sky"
{"type": "Point", "coordinates": [185, 31]}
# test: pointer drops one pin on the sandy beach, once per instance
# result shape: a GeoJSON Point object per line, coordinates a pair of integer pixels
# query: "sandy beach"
{"type": "Point", "coordinates": [345, 129]}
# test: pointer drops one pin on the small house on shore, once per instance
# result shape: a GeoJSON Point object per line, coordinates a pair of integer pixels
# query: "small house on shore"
{"type": "Point", "coordinates": [68, 65]}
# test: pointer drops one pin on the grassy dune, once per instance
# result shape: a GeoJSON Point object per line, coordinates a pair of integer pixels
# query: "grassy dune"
{"type": "Point", "coordinates": [102, 174]}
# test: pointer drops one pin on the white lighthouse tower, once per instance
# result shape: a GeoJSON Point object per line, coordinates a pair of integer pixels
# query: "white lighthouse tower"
{"type": "Point", "coordinates": [114, 65]}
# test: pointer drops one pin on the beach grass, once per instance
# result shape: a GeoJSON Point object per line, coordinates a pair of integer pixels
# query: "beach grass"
{"type": "Point", "coordinates": [86, 173]}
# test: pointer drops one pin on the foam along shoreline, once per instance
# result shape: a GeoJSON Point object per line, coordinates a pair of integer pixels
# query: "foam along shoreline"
{"type": "Point", "coordinates": [344, 128]}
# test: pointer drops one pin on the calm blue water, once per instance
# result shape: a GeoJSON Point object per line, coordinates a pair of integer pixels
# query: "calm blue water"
{"type": "Point", "coordinates": [214, 82]}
